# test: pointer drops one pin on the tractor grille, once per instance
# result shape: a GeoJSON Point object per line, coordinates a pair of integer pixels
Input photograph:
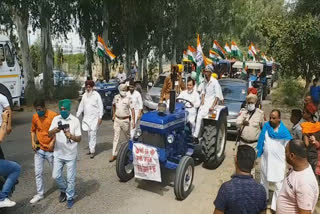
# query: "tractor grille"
{"type": "Point", "coordinates": [153, 139]}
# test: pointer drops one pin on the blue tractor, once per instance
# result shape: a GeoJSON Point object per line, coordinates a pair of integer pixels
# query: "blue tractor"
{"type": "Point", "coordinates": [168, 133]}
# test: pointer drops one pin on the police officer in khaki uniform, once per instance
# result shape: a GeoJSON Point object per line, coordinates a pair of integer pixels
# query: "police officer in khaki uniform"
{"type": "Point", "coordinates": [250, 122]}
{"type": "Point", "coordinates": [122, 105]}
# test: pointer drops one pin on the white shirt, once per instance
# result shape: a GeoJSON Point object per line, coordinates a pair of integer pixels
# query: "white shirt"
{"type": "Point", "coordinates": [63, 148]}
{"type": "Point", "coordinates": [122, 77]}
{"type": "Point", "coordinates": [193, 97]}
{"type": "Point", "coordinates": [136, 100]}
{"type": "Point", "coordinates": [92, 107]}
{"type": "Point", "coordinates": [211, 90]}
{"type": "Point", "coordinates": [4, 103]}
{"type": "Point", "coordinates": [273, 159]}
{"type": "Point", "coordinates": [300, 190]}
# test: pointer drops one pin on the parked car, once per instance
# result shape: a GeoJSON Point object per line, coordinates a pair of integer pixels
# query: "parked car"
{"type": "Point", "coordinates": [59, 78]}
{"type": "Point", "coordinates": [152, 97]}
{"type": "Point", "coordinates": [234, 93]}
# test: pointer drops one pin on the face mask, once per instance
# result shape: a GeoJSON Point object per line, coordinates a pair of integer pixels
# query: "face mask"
{"type": "Point", "coordinates": [251, 107]}
{"type": "Point", "coordinates": [123, 93]}
{"type": "Point", "coordinates": [193, 75]}
{"type": "Point", "coordinates": [40, 113]}
{"type": "Point", "coordinates": [64, 114]}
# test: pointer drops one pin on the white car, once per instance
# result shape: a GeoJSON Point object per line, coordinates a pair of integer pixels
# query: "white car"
{"type": "Point", "coordinates": [59, 78]}
{"type": "Point", "coordinates": [152, 97]}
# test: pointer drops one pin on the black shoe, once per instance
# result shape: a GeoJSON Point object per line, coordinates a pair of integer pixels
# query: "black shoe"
{"type": "Point", "coordinates": [62, 197]}
{"type": "Point", "coordinates": [92, 155]}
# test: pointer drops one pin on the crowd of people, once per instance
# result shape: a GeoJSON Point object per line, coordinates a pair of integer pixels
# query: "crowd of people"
{"type": "Point", "coordinates": [289, 160]}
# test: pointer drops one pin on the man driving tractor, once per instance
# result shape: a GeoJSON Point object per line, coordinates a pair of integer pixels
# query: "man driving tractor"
{"type": "Point", "coordinates": [210, 96]}
{"type": "Point", "coordinates": [193, 97]}
{"type": "Point", "coordinates": [176, 70]}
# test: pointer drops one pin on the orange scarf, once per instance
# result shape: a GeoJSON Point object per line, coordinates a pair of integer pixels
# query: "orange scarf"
{"type": "Point", "coordinates": [309, 127]}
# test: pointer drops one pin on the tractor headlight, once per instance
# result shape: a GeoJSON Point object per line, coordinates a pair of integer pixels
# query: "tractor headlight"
{"type": "Point", "coordinates": [213, 114]}
{"type": "Point", "coordinates": [170, 138]}
{"type": "Point", "coordinates": [137, 134]}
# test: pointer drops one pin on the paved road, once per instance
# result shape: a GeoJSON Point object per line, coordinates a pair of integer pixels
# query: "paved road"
{"type": "Point", "coordinates": [97, 186]}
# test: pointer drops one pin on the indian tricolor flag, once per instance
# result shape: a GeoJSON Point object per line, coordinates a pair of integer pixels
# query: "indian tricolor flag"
{"type": "Point", "coordinates": [104, 51]}
{"type": "Point", "coordinates": [214, 55]}
{"type": "Point", "coordinates": [264, 57]}
{"type": "Point", "coordinates": [191, 53]}
{"type": "Point", "coordinates": [227, 48]}
{"type": "Point", "coordinates": [253, 48]}
{"type": "Point", "coordinates": [251, 52]}
{"type": "Point", "coordinates": [234, 49]}
{"type": "Point", "coordinates": [199, 59]}
{"type": "Point", "coordinates": [207, 61]}
{"type": "Point", "coordinates": [217, 48]}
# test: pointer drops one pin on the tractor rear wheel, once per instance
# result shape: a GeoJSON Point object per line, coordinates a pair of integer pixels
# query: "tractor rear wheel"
{"type": "Point", "coordinates": [184, 178]}
{"type": "Point", "coordinates": [124, 166]}
{"type": "Point", "coordinates": [213, 144]}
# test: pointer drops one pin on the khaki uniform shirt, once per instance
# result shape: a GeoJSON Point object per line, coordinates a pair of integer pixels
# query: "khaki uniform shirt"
{"type": "Point", "coordinates": [167, 86]}
{"type": "Point", "coordinates": [251, 132]}
{"type": "Point", "coordinates": [123, 105]}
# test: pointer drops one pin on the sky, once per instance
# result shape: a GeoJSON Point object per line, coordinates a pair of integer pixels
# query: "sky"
{"type": "Point", "coordinates": [72, 43]}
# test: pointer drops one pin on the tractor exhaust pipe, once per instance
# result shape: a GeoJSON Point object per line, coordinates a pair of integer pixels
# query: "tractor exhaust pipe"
{"type": "Point", "coordinates": [172, 103]}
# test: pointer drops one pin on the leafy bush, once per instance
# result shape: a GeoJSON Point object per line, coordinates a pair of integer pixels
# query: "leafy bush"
{"type": "Point", "coordinates": [66, 91]}
{"type": "Point", "coordinates": [289, 92]}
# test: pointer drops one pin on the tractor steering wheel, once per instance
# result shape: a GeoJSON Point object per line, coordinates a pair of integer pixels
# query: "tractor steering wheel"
{"type": "Point", "coordinates": [187, 103]}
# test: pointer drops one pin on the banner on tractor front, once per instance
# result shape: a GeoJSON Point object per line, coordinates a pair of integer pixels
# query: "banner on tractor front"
{"type": "Point", "coordinates": [146, 162]}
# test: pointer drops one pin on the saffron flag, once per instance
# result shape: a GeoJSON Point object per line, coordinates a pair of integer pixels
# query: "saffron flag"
{"type": "Point", "coordinates": [104, 51]}
{"type": "Point", "coordinates": [217, 48]}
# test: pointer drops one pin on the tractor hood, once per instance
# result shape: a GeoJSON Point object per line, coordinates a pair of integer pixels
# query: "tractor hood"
{"type": "Point", "coordinates": [164, 123]}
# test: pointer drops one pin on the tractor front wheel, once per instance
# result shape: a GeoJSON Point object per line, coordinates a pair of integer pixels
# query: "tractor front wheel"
{"type": "Point", "coordinates": [124, 166]}
{"type": "Point", "coordinates": [184, 178]}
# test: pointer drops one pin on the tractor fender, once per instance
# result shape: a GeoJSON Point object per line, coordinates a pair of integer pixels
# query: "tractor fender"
{"type": "Point", "coordinates": [221, 110]}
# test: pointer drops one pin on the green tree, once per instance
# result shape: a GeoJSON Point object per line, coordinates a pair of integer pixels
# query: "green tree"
{"type": "Point", "coordinates": [293, 42]}
{"type": "Point", "coordinates": [35, 58]}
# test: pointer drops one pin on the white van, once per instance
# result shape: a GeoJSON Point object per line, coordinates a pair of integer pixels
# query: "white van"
{"type": "Point", "coordinates": [11, 76]}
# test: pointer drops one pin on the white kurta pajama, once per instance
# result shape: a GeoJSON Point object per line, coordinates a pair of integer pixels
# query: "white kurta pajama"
{"type": "Point", "coordinates": [211, 90]}
{"type": "Point", "coordinates": [194, 98]}
{"type": "Point", "coordinates": [137, 106]}
{"type": "Point", "coordinates": [92, 107]}
{"type": "Point", "coordinates": [273, 166]}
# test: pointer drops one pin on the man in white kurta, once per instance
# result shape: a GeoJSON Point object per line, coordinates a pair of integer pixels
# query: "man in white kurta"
{"type": "Point", "coordinates": [194, 98]}
{"type": "Point", "coordinates": [210, 95]}
{"type": "Point", "coordinates": [92, 107]}
{"type": "Point", "coordinates": [273, 160]}
{"type": "Point", "coordinates": [137, 105]}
